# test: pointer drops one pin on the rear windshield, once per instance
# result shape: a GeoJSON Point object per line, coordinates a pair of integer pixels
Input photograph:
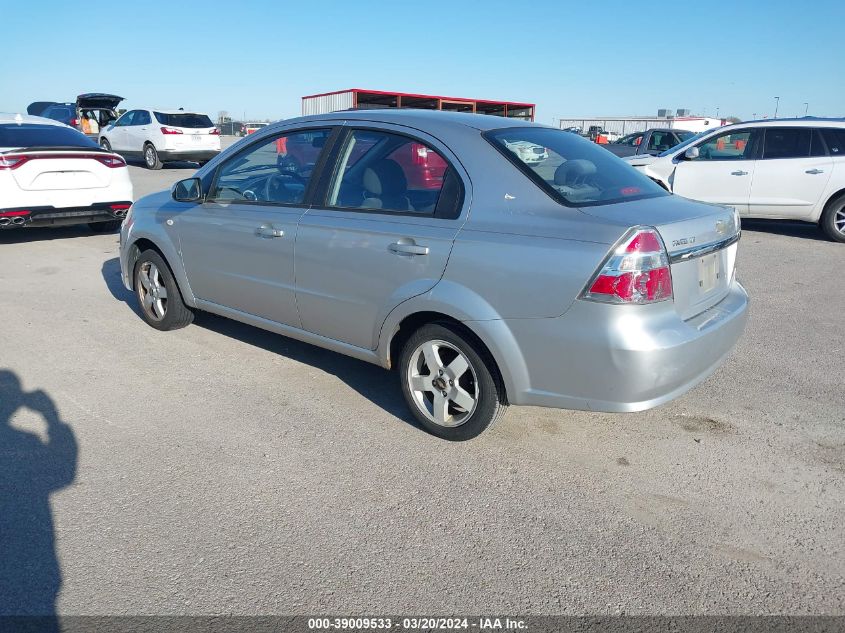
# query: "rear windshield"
{"type": "Point", "coordinates": [28, 135]}
{"type": "Point", "coordinates": [572, 169]}
{"type": "Point", "coordinates": [187, 119]}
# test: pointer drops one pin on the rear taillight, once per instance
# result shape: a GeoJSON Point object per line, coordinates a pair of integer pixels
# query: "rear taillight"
{"type": "Point", "coordinates": [112, 161]}
{"type": "Point", "coordinates": [74, 122]}
{"type": "Point", "coordinates": [119, 207]}
{"type": "Point", "coordinates": [636, 271]}
{"type": "Point", "coordinates": [170, 130]}
{"type": "Point", "coordinates": [215, 131]}
{"type": "Point", "coordinates": [12, 162]}
{"type": "Point", "coordinates": [11, 214]}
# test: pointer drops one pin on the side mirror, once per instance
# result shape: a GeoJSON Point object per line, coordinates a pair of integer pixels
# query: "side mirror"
{"type": "Point", "coordinates": [188, 190]}
{"type": "Point", "coordinates": [691, 154]}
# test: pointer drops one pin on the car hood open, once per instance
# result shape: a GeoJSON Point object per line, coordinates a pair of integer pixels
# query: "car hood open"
{"type": "Point", "coordinates": [98, 100]}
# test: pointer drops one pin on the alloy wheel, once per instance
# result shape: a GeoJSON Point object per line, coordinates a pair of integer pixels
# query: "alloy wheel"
{"type": "Point", "coordinates": [152, 292]}
{"type": "Point", "coordinates": [443, 383]}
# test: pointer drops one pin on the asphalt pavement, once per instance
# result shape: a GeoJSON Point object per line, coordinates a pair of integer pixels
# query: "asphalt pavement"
{"type": "Point", "coordinates": [221, 469]}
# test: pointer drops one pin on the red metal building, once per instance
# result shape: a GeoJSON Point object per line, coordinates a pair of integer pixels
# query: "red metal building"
{"type": "Point", "coordinates": [361, 99]}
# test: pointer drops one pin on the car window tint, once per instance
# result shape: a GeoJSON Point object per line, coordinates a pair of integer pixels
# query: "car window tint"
{"type": "Point", "coordinates": [835, 140]}
{"type": "Point", "coordinates": [274, 171]}
{"type": "Point", "coordinates": [571, 169]}
{"type": "Point", "coordinates": [126, 119]}
{"type": "Point", "coordinates": [35, 135]}
{"type": "Point", "coordinates": [184, 119]}
{"type": "Point", "coordinates": [786, 143]}
{"type": "Point", "coordinates": [632, 140]}
{"type": "Point", "coordinates": [142, 117]}
{"type": "Point", "coordinates": [733, 145]}
{"type": "Point", "coordinates": [661, 141]}
{"type": "Point", "coordinates": [387, 172]}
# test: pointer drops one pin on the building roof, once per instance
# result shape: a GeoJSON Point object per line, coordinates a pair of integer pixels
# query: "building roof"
{"type": "Point", "coordinates": [413, 117]}
{"type": "Point", "coordinates": [421, 96]}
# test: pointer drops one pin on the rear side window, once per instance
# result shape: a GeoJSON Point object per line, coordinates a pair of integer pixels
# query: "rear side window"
{"type": "Point", "coordinates": [835, 140]}
{"type": "Point", "coordinates": [59, 113]}
{"type": "Point", "coordinates": [183, 119]}
{"type": "Point", "coordinates": [787, 142]}
{"type": "Point", "coordinates": [389, 172]}
{"type": "Point", "coordinates": [142, 117]}
{"type": "Point", "coordinates": [20, 136]}
{"type": "Point", "coordinates": [571, 169]}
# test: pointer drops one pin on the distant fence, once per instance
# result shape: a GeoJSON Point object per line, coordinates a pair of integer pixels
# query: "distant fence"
{"type": "Point", "coordinates": [618, 126]}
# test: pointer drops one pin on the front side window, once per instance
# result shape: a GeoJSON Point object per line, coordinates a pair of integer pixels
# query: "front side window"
{"type": "Point", "coordinates": [126, 119]}
{"type": "Point", "coordinates": [632, 140]}
{"type": "Point", "coordinates": [275, 171]}
{"type": "Point", "coordinates": [388, 172]}
{"type": "Point", "coordinates": [571, 169]}
{"type": "Point", "coordinates": [733, 145]}
{"type": "Point", "coordinates": [783, 142]}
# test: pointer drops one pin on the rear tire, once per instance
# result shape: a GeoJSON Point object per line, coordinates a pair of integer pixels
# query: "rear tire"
{"type": "Point", "coordinates": [151, 159]}
{"type": "Point", "coordinates": [158, 294]}
{"type": "Point", "coordinates": [105, 227]}
{"type": "Point", "coordinates": [462, 394]}
{"type": "Point", "coordinates": [833, 219]}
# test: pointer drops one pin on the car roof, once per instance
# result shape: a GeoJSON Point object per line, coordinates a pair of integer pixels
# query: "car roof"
{"type": "Point", "coordinates": [806, 121]}
{"type": "Point", "coordinates": [416, 118]}
{"type": "Point", "coordinates": [170, 111]}
{"type": "Point", "coordinates": [23, 119]}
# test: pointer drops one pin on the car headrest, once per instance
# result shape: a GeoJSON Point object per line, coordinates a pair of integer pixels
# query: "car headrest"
{"type": "Point", "coordinates": [385, 178]}
{"type": "Point", "coordinates": [572, 170]}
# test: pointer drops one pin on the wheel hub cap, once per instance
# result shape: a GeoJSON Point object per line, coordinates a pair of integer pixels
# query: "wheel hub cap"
{"type": "Point", "coordinates": [443, 383]}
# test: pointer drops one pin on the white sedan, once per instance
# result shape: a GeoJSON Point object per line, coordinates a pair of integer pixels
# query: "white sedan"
{"type": "Point", "coordinates": [52, 174]}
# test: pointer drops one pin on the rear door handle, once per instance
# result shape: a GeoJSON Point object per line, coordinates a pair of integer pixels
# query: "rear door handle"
{"type": "Point", "coordinates": [402, 248]}
{"type": "Point", "coordinates": [814, 171]}
{"type": "Point", "coordinates": [266, 230]}
{"type": "Point", "coordinates": [739, 173]}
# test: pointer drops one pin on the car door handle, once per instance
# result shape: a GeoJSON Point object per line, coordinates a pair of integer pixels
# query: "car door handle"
{"type": "Point", "coordinates": [403, 248]}
{"type": "Point", "coordinates": [814, 171]}
{"type": "Point", "coordinates": [739, 173]}
{"type": "Point", "coordinates": [268, 231]}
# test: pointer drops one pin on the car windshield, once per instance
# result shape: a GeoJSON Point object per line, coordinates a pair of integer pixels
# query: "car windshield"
{"type": "Point", "coordinates": [570, 168]}
{"type": "Point", "coordinates": [184, 119]}
{"type": "Point", "coordinates": [692, 138]}
{"type": "Point", "coordinates": [35, 135]}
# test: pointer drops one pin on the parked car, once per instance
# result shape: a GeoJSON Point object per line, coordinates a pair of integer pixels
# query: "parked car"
{"type": "Point", "coordinates": [529, 153]}
{"type": "Point", "coordinates": [251, 128]}
{"type": "Point", "coordinates": [651, 141]}
{"type": "Point", "coordinates": [590, 289]}
{"type": "Point", "coordinates": [598, 134]}
{"type": "Point", "coordinates": [778, 168]}
{"type": "Point", "coordinates": [52, 174]}
{"type": "Point", "coordinates": [232, 128]}
{"type": "Point", "coordinates": [160, 136]}
{"type": "Point", "coordinates": [89, 114]}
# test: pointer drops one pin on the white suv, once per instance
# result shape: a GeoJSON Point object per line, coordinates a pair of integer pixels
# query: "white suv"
{"type": "Point", "coordinates": [781, 169]}
{"type": "Point", "coordinates": [159, 136]}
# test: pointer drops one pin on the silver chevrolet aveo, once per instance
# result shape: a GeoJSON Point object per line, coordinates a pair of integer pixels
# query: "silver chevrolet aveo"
{"type": "Point", "coordinates": [440, 244]}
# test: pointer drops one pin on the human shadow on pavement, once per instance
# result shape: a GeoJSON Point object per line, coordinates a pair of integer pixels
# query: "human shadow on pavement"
{"type": "Point", "coordinates": [30, 471]}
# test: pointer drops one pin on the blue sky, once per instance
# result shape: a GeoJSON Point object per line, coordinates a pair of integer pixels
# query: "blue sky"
{"type": "Point", "coordinates": [570, 58]}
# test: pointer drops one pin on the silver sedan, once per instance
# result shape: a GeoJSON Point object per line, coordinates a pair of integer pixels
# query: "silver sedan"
{"type": "Point", "coordinates": [424, 241]}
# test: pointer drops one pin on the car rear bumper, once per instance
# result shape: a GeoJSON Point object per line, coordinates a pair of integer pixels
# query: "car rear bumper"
{"type": "Point", "coordinates": [60, 216]}
{"type": "Point", "coordinates": [600, 357]}
{"type": "Point", "coordinates": [187, 155]}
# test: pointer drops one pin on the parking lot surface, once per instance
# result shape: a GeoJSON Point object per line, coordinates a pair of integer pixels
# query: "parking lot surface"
{"type": "Point", "coordinates": [223, 469]}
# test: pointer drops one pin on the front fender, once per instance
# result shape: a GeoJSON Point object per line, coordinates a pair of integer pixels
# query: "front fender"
{"type": "Point", "coordinates": [473, 311]}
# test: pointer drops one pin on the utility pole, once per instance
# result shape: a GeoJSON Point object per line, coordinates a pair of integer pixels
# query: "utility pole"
{"type": "Point", "coordinates": [806, 107]}
{"type": "Point", "coordinates": [777, 103]}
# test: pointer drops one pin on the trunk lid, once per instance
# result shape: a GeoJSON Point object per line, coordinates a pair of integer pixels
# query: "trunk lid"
{"type": "Point", "coordinates": [65, 170]}
{"type": "Point", "coordinates": [701, 240]}
{"type": "Point", "coordinates": [97, 100]}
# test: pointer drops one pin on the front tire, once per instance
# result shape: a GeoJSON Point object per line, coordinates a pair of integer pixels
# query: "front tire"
{"type": "Point", "coordinates": [105, 227]}
{"type": "Point", "coordinates": [158, 295]}
{"type": "Point", "coordinates": [833, 219]}
{"type": "Point", "coordinates": [450, 383]}
{"type": "Point", "coordinates": [104, 143]}
{"type": "Point", "coordinates": [151, 159]}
